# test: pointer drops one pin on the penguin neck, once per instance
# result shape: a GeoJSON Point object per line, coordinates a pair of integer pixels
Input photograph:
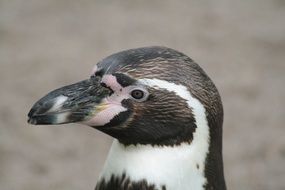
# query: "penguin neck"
{"type": "Point", "coordinates": [155, 167]}
{"type": "Point", "coordinates": [195, 165]}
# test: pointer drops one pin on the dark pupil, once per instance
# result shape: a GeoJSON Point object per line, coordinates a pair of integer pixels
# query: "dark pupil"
{"type": "Point", "coordinates": [137, 94]}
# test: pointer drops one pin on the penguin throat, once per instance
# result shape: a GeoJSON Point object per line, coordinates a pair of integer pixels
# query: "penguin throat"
{"type": "Point", "coordinates": [156, 167]}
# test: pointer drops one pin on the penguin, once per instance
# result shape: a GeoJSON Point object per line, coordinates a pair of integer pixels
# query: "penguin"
{"type": "Point", "coordinates": [163, 111]}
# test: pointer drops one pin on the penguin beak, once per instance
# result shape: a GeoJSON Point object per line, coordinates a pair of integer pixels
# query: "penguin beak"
{"type": "Point", "coordinates": [70, 104]}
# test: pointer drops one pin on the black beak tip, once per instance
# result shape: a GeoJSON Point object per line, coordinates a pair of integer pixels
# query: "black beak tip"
{"type": "Point", "coordinates": [31, 113]}
{"type": "Point", "coordinates": [32, 121]}
{"type": "Point", "coordinates": [39, 115]}
{"type": "Point", "coordinates": [37, 118]}
{"type": "Point", "coordinates": [34, 118]}
{"type": "Point", "coordinates": [43, 120]}
{"type": "Point", "coordinates": [31, 117]}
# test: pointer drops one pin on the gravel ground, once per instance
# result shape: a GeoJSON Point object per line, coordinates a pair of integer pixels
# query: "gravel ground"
{"type": "Point", "coordinates": [47, 44]}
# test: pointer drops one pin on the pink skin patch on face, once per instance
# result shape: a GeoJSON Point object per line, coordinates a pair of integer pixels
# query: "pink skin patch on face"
{"type": "Point", "coordinates": [105, 116]}
{"type": "Point", "coordinates": [113, 104]}
{"type": "Point", "coordinates": [111, 81]}
{"type": "Point", "coordinates": [120, 93]}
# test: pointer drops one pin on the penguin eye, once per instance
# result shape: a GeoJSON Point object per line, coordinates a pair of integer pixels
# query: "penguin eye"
{"type": "Point", "coordinates": [137, 94]}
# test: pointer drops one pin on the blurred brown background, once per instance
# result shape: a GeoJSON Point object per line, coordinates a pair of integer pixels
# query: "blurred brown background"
{"type": "Point", "coordinates": [46, 44]}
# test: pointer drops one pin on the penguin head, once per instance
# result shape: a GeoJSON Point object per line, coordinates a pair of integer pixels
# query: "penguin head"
{"type": "Point", "coordinates": [139, 96]}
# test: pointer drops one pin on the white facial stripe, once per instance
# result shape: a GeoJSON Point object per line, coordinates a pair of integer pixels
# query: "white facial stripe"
{"type": "Point", "coordinates": [201, 136]}
{"type": "Point", "coordinates": [58, 103]}
{"type": "Point", "coordinates": [179, 167]}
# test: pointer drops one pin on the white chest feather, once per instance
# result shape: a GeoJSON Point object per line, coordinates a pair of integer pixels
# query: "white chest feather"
{"type": "Point", "coordinates": [175, 167]}
{"type": "Point", "coordinates": [178, 167]}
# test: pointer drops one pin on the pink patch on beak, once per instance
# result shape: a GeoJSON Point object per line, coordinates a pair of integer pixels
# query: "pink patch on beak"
{"type": "Point", "coordinates": [112, 102]}
{"type": "Point", "coordinates": [105, 116]}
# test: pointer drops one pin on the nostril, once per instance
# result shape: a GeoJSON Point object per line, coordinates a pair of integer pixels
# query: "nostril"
{"type": "Point", "coordinates": [104, 85]}
{"type": "Point", "coordinates": [109, 88]}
